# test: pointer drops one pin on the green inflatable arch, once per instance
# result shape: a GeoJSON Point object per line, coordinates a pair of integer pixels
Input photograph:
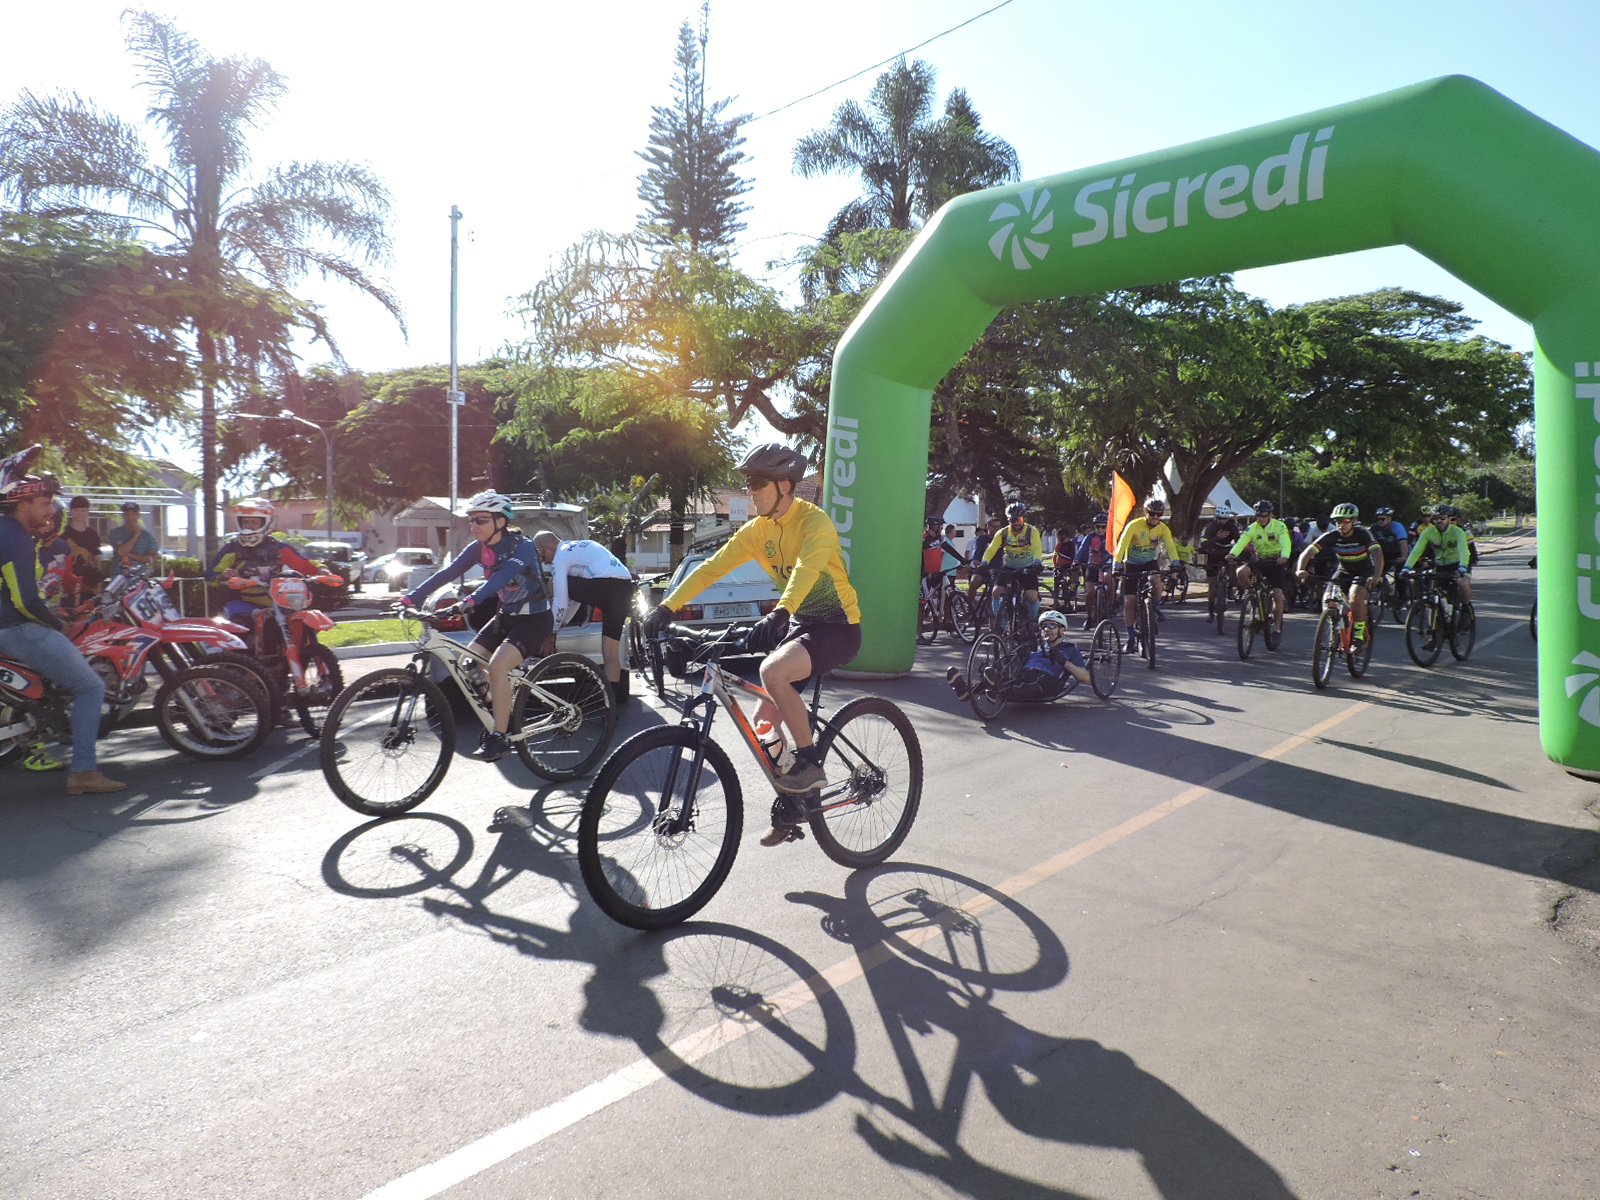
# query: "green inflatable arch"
{"type": "Point", "coordinates": [1505, 201]}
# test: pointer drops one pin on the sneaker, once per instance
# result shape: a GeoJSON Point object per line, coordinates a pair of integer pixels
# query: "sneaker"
{"type": "Point", "coordinates": [495, 746]}
{"type": "Point", "coordinates": [802, 777]}
{"type": "Point", "coordinates": [40, 759]}
{"type": "Point", "coordinates": [958, 681]}
{"type": "Point", "coordinates": [786, 821]}
{"type": "Point", "coordinates": [483, 737]}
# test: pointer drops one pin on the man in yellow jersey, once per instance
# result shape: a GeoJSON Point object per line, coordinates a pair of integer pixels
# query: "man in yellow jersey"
{"type": "Point", "coordinates": [1135, 555]}
{"type": "Point", "coordinates": [799, 547]}
{"type": "Point", "coordinates": [1270, 537]}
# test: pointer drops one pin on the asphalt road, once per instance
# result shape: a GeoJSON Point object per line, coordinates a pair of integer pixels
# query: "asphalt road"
{"type": "Point", "coordinates": [1226, 936]}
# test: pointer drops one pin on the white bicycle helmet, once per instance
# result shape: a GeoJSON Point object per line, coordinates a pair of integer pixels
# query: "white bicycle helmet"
{"type": "Point", "coordinates": [1051, 617]}
{"type": "Point", "coordinates": [256, 506]}
{"type": "Point", "coordinates": [491, 502]}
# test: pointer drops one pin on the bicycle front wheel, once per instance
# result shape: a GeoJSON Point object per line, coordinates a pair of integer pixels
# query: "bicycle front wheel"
{"type": "Point", "coordinates": [644, 657]}
{"type": "Point", "coordinates": [874, 765]}
{"type": "Point", "coordinates": [1463, 632]}
{"type": "Point", "coordinates": [1322, 647]}
{"type": "Point", "coordinates": [1247, 626]}
{"type": "Point", "coordinates": [927, 620]}
{"type": "Point", "coordinates": [659, 831]}
{"type": "Point", "coordinates": [1147, 632]}
{"type": "Point", "coordinates": [1105, 659]}
{"type": "Point", "coordinates": [387, 742]}
{"type": "Point", "coordinates": [987, 668]}
{"type": "Point", "coordinates": [562, 717]}
{"type": "Point", "coordinates": [1424, 633]}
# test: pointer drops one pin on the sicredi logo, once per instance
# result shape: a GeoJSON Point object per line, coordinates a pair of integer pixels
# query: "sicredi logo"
{"type": "Point", "coordinates": [1111, 205]}
{"type": "Point", "coordinates": [1035, 211]}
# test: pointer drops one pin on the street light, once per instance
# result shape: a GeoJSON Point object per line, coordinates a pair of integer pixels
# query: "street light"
{"type": "Point", "coordinates": [327, 442]}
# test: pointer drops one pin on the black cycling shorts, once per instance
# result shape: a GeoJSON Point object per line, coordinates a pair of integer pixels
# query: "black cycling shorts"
{"type": "Point", "coordinates": [613, 597]}
{"type": "Point", "coordinates": [528, 632]}
{"type": "Point", "coordinates": [1273, 571]}
{"type": "Point", "coordinates": [829, 645]}
{"type": "Point", "coordinates": [1131, 573]}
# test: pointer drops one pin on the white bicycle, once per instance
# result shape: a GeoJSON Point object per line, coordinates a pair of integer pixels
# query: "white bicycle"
{"type": "Point", "coordinates": [388, 737]}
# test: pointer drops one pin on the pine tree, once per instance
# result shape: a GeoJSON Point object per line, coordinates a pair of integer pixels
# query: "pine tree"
{"type": "Point", "coordinates": [692, 188]}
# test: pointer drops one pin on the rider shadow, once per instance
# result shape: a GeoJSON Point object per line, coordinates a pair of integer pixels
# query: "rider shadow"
{"type": "Point", "coordinates": [936, 948]}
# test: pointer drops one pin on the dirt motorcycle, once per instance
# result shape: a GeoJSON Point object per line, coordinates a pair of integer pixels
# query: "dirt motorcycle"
{"type": "Point", "coordinates": [206, 712]}
{"type": "Point", "coordinates": [169, 642]}
{"type": "Point", "coordinates": [282, 638]}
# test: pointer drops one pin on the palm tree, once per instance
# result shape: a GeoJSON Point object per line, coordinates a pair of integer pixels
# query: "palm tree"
{"type": "Point", "coordinates": [61, 156]}
{"type": "Point", "coordinates": [910, 162]}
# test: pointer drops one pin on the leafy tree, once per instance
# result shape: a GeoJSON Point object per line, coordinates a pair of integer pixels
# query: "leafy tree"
{"type": "Point", "coordinates": [61, 156]}
{"type": "Point", "coordinates": [691, 190]}
{"type": "Point", "coordinates": [909, 162]}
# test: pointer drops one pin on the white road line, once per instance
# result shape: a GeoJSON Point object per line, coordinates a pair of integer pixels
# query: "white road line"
{"type": "Point", "coordinates": [478, 1156]}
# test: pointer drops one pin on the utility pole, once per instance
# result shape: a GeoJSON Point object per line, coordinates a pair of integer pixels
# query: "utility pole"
{"type": "Point", "coordinates": [456, 397]}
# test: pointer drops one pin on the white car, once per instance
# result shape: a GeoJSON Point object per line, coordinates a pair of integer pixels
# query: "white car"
{"type": "Point", "coordinates": [393, 570]}
{"type": "Point", "coordinates": [744, 594]}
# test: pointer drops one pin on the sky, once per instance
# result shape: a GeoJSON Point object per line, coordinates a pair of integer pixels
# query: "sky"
{"type": "Point", "coordinates": [528, 115]}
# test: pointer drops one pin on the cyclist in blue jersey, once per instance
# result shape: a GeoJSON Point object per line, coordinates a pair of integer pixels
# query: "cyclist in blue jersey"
{"type": "Point", "coordinates": [522, 624]}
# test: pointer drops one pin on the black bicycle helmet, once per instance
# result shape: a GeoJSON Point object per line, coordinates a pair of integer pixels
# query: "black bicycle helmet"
{"type": "Point", "coordinates": [1016, 510]}
{"type": "Point", "coordinates": [1264, 508]}
{"type": "Point", "coordinates": [933, 519]}
{"type": "Point", "coordinates": [1384, 512]}
{"type": "Point", "coordinates": [1155, 506]}
{"type": "Point", "coordinates": [774, 460]}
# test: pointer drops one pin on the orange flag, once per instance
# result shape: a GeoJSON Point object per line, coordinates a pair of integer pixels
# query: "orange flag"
{"type": "Point", "coordinates": [1121, 507]}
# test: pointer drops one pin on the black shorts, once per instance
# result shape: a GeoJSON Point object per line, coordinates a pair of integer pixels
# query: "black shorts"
{"type": "Point", "coordinates": [1131, 573]}
{"type": "Point", "coordinates": [613, 597]}
{"type": "Point", "coordinates": [1026, 577]}
{"type": "Point", "coordinates": [1357, 575]}
{"type": "Point", "coordinates": [528, 632]}
{"type": "Point", "coordinates": [1273, 571]}
{"type": "Point", "coordinates": [828, 645]}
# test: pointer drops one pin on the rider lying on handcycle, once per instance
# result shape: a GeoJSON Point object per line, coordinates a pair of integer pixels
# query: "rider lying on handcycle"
{"type": "Point", "coordinates": [1043, 673]}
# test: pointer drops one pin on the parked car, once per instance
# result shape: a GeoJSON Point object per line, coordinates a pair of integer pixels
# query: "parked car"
{"type": "Point", "coordinates": [393, 570]}
{"type": "Point", "coordinates": [341, 558]}
{"type": "Point", "coordinates": [745, 593]}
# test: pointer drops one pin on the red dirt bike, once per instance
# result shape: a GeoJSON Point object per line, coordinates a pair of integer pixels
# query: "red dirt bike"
{"type": "Point", "coordinates": [206, 712]}
{"type": "Point", "coordinates": [171, 642]}
{"type": "Point", "coordinates": [304, 673]}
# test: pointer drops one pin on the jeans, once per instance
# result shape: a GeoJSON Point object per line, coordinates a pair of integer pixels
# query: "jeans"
{"type": "Point", "coordinates": [58, 660]}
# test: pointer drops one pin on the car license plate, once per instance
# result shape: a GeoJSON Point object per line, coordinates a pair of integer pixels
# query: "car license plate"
{"type": "Point", "coordinates": [731, 612]}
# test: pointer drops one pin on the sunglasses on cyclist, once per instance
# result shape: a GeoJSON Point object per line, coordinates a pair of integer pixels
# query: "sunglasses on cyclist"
{"type": "Point", "coordinates": [481, 519]}
{"type": "Point", "coordinates": [754, 483]}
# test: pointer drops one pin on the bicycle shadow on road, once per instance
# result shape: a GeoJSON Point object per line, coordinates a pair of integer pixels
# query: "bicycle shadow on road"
{"type": "Point", "coordinates": [937, 948]}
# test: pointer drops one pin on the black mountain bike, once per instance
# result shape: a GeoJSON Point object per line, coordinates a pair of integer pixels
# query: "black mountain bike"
{"type": "Point", "coordinates": [943, 606]}
{"type": "Point", "coordinates": [1146, 619]}
{"type": "Point", "coordinates": [1256, 616]}
{"type": "Point", "coordinates": [1437, 616]}
{"type": "Point", "coordinates": [660, 825]}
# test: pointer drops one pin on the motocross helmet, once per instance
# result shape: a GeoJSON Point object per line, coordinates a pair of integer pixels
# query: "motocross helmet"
{"type": "Point", "coordinates": [254, 508]}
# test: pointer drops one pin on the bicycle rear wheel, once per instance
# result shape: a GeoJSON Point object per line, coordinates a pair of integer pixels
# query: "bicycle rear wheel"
{"type": "Point", "coordinates": [1247, 626]}
{"type": "Point", "coordinates": [1105, 660]}
{"type": "Point", "coordinates": [644, 656]}
{"type": "Point", "coordinates": [562, 717]}
{"type": "Point", "coordinates": [874, 765]}
{"type": "Point", "coordinates": [1463, 632]}
{"type": "Point", "coordinates": [1179, 579]}
{"type": "Point", "coordinates": [658, 835]}
{"type": "Point", "coordinates": [1322, 647]}
{"type": "Point", "coordinates": [387, 742]}
{"type": "Point", "coordinates": [1424, 633]}
{"type": "Point", "coordinates": [987, 668]}
{"type": "Point", "coordinates": [1360, 655]}
{"type": "Point", "coordinates": [927, 620]}
{"type": "Point", "coordinates": [961, 616]}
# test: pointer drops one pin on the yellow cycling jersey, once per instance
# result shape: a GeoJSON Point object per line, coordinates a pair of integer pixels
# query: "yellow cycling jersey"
{"type": "Point", "coordinates": [800, 550]}
{"type": "Point", "coordinates": [1137, 544]}
{"type": "Point", "coordinates": [1270, 540]}
{"type": "Point", "coordinates": [1016, 550]}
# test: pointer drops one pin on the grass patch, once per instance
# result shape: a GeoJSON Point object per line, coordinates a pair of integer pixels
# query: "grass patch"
{"type": "Point", "coordinates": [367, 633]}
